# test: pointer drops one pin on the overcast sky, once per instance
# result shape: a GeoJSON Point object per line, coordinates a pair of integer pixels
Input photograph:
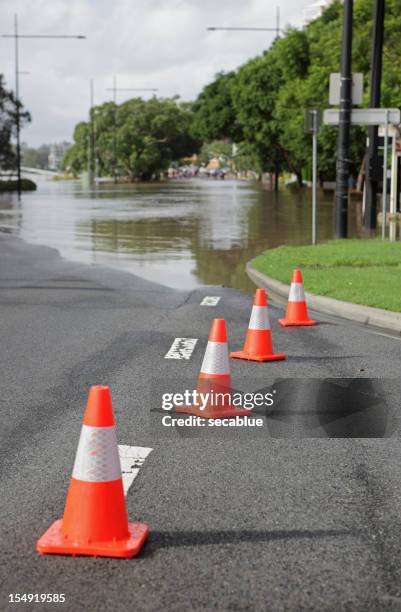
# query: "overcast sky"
{"type": "Point", "coordinates": [146, 43]}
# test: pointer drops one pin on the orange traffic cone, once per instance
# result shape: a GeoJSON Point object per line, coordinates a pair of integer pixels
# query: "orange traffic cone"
{"type": "Point", "coordinates": [215, 379]}
{"type": "Point", "coordinates": [95, 517]}
{"type": "Point", "coordinates": [258, 342]}
{"type": "Point", "coordinates": [297, 312]}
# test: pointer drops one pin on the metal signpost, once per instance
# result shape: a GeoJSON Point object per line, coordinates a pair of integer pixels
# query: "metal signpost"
{"type": "Point", "coordinates": [385, 154]}
{"type": "Point", "coordinates": [371, 116]}
{"type": "Point", "coordinates": [343, 135]}
{"type": "Point", "coordinates": [312, 121]}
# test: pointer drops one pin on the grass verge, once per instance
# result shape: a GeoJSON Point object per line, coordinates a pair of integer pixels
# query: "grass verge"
{"type": "Point", "coordinates": [361, 271]}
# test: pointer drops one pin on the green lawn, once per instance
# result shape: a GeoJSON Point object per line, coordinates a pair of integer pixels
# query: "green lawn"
{"type": "Point", "coordinates": [361, 271]}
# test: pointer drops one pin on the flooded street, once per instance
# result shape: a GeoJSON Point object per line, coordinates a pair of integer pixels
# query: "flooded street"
{"type": "Point", "coordinates": [184, 233]}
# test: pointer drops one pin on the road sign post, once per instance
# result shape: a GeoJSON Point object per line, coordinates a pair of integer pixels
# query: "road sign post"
{"type": "Point", "coordinates": [312, 121]}
{"type": "Point", "coordinates": [371, 163]}
{"type": "Point", "coordinates": [342, 165]}
{"type": "Point", "coordinates": [314, 175]}
{"type": "Point", "coordinates": [385, 154]}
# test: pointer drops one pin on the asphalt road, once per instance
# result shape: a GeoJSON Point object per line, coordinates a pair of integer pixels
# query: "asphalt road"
{"type": "Point", "coordinates": [304, 515]}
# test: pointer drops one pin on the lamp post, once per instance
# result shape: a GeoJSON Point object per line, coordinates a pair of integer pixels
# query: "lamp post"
{"type": "Point", "coordinates": [16, 36]}
{"type": "Point", "coordinates": [115, 89]}
{"type": "Point", "coordinates": [91, 139]}
{"type": "Point", "coordinates": [277, 29]}
{"type": "Point", "coordinates": [343, 162]}
{"type": "Point", "coordinates": [372, 157]}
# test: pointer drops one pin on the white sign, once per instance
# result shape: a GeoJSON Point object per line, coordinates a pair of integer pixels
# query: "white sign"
{"type": "Point", "coordinates": [335, 85]}
{"type": "Point", "coordinates": [364, 116]}
{"type": "Point", "coordinates": [392, 131]}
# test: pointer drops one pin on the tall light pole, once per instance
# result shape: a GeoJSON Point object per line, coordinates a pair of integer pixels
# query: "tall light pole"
{"type": "Point", "coordinates": [91, 139]}
{"type": "Point", "coordinates": [372, 158]}
{"type": "Point", "coordinates": [16, 36]}
{"type": "Point", "coordinates": [115, 89]}
{"type": "Point", "coordinates": [277, 29]}
{"type": "Point", "coordinates": [343, 162]}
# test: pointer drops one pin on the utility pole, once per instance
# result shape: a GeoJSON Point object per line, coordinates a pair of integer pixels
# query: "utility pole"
{"type": "Point", "coordinates": [315, 129]}
{"type": "Point", "coordinates": [16, 36]}
{"type": "Point", "coordinates": [372, 171]}
{"type": "Point", "coordinates": [277, 22]}
{"type": "Point", "coordinates": [17, 105]}
{"type": "Point", "coordinates": [91, 139]}
{"type": "Point", "coordinates": [277, 29]}
{"type": "Point", "coordinates": [342, 175]}
{"type": "Point", "coordinates": [115, 89]}
{"type": "Point", "coordinates": [114, 129]}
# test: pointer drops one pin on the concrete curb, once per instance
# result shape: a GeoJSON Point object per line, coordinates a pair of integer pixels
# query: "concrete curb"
{"type": "Point", "coordinates": [366, 315]}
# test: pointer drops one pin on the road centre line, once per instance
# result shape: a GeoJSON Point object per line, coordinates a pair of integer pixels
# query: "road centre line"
{"type": "Point", "coordinates": [182, 348]}
{"type": "Point", "coordinates": [132, 459]}
{"type": "Point", "coordinates": [210, 300]}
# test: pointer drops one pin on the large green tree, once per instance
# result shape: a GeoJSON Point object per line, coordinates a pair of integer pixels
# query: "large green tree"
{"type": "Point", "coordinates": [35, 158]}
{"type": "Point", "coordinates": [9, 107]}
{"type": "Point", "coordinates": [215, 117]}
{"type": "Point", "coordinates": [147, 136]}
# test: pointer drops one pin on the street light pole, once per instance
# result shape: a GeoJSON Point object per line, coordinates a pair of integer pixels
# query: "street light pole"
{"type": "Point", "coordinates": [16, 36]}
{"type": "Point", "coordinates": [115, 89]}
{"type": "Point", "coordinates": [277, 29]}
{"type": "Point", "coordinates": [343, 162]}
{"type": "Point", "coordinates": [314, 172]}
{"type": "Point", "coordinates": [277, 22]}
{"type": "Point", "coordinates": [91, 138]}
{"type": "Point", "coordinates": [17, 104]}
{"type": "Point", "coordinates": [372, 158]}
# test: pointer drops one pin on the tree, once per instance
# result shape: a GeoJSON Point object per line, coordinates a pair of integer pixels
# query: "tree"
{"type": "Point", "coordinates": [8, 116]}
{"type": "Point", "coordinates": [255, 91]}
{"type": "Point", "coordinates": [35, 158]}
{"type": "Point", "coordinates": [148, 135]}
{"type": "Point", "coordinates": [215, 117]}
{"type": "Point", "coordinates": [76, 157]}
{"type": "Point", "coordinates": [218, 148]}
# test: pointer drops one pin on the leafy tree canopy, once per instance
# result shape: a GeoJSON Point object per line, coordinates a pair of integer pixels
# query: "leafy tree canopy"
{"type": "Point", "coordinates": [146, 135]}
{"type": "Point", "coordinates": [8, 116]}
{"type": "Point", "coordinates": [214, 115]}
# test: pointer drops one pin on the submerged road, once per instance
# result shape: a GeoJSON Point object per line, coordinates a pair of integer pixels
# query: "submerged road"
{"type": "Point", "coordinates": [302, 515]}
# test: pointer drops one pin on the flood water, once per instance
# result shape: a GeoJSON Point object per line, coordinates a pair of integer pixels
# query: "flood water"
{"type": "Point", "coordinates": [183, 233]}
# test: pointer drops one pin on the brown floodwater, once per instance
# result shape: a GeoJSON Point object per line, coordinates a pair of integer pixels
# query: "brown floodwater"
{"type": "Point", "coordinates": [183, 233]}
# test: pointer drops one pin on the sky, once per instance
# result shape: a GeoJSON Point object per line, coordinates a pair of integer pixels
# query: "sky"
{"type": "Point", "coordinates": [146, 43]}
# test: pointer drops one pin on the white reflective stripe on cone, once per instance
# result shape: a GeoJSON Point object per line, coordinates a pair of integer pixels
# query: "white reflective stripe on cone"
{"type": "Point", "coordinates": [296, 293]}
{"type": "Point", "coordinates": [215, 360]}
{"type": "Point", "coordinates": [259, 318]}
{"type": "Point", "coordinates": [97, 458]}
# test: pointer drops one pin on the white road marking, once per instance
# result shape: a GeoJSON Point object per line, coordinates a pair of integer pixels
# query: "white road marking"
{"type": "Point", "coordinates": [210, 300]}
{"type": "Point", "coordinates": [182, 348]}
{"type": "Point", "coordinates": [132, 459]}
